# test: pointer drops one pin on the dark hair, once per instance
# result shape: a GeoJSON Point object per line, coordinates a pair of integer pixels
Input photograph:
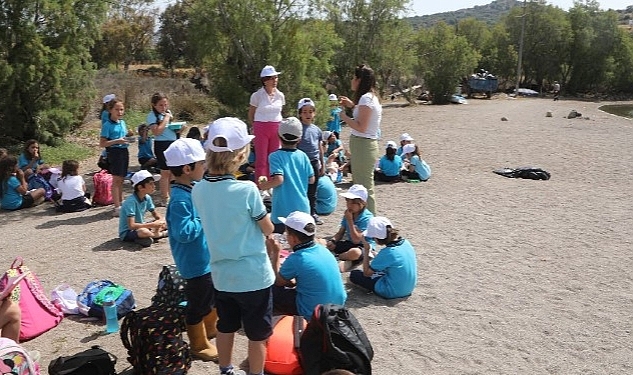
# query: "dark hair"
{"type": "Point", "coordinates": [416, 151]}
{"type": "Point", "coordinates": [157, 97]}
{"type": "Point", "coordinates": [367, 81]}
{"type": "Point", "coordinates": [194, 133]}
{"type": "Point", "coordinates": [7, 167]}
{"type": "Point", "coordinates": [143, 127]}
{"type": "Point", "coordinates": [392, 235]}
{"type": "Point", "coordinates": [178, 169]}
{"type": "Point", "coordinates": [302, 237]}
{"type": "Point", "coordinates": [26, 151]}
{"type": "Point", "coordinates": [70, 168]}
{"type": "Point", "coordinates": [113, 102]}
{"type": "Point", "coordinates": [142, 183]}
{"type": "Point", "coordinates": [390, 153]}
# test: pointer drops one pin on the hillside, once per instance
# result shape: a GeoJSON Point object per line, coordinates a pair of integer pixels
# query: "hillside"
{"type": "Point", "coordinates": [489, 13]}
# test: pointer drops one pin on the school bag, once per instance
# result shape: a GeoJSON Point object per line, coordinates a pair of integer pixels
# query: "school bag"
{"type": "Point", "coordinates": [154, 342]}
{"type": "Point", "coordinates": [37, 181]}
{"type": "Point", "coordinates": [282, 348]}
{"type": "Point", "coordinates": [334, 339]}
{"type": "Point", "coordinates": [14, 360]}
{"type": "Point", "coordinates": [94, 361]}
{"type": "Point", "coordinates": [90, 300]}
{"type": "Point", "coordinates": [170, 290]}
{"type": "Point", "coordinates": [39, 314]}
{"type": "Point", "coordinates": [102, 181]}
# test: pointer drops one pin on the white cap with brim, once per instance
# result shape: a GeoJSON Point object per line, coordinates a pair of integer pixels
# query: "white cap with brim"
{"type": "Point", "coordinates": [406, 137]}
{"type": "Point", "coordinates": [142, 175]}
{"type": "Point", "coordinates": [408, 148]}
{"type": "Point", "coordinates": [184, 151]}
{"type": "Point", "coordinates": [326, 135]}
{"type": "Point", "coordinates": [269, 71]}
{"type": "Point", "coordinates": [290, 129]}
{"type": "Point", "coordinates": [391, 144]}
{"type": "Point", "coordinates": [356, 192]}
{"type": "Point", "coordinates": [304, 102]}
{"type": "Point", "coordinates": [233, 130]}
{"type": "Point", "coordinates": [332, 97]}
{"type": "Point", "coordinates": [298, 221]}
{"type": "Point", "coordinates": [377, 227]}
{"type": "Point", "coordinates": [108, 98]}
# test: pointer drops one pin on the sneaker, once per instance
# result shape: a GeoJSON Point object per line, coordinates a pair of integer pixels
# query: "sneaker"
{"type": "Point", "coordinates": [144, 242]}
{"type": "Point", "coordinates": [317, 219]}
{"type": "Point", "coordinates": [116, 211]}
{"type": "Point", "coordinates": [234, 372]}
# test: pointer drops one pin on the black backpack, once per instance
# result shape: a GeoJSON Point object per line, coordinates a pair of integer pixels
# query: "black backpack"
{"type": "Point", "coordinates": [94, 361]}
{"type": "Point", "coordinates": [154, 342]}
{"type": "Point", "coordinates": [334, 339]}
{"type": "Point", "coordinates": [170, 290]}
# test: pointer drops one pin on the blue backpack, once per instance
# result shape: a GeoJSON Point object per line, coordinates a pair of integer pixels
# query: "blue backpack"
{"type": "Point", "coordinates": [37, 181]}
{"type": "Point", "coordinates": [90, 301]}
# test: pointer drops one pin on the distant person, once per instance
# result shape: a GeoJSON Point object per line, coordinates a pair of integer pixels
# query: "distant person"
{"type": "Point", "coordinates": [72, 188]}
{"type": "Point", "coordinates": [194, 132]}
{"type": "Point", "coordinates": [113, 139]}
{"type": "Point", "coordinates": [146, 158]}
{"type": "Point", "coordinates": [389, 165]}
{"type": "Point", "coordinates": [312, 146]}
{"type": "Point", "coordinates": [334, 122]}
{"type": "Point", "coordinates": [14, 192]}
{"type": "Point", "coordinates": [158, 120]}
{"type": "Point", "coordinates": [405, 139]}
{"type": "Point", "coordinates": [556, 90]}
{"type": "Point", "coordinates": [415, 168]}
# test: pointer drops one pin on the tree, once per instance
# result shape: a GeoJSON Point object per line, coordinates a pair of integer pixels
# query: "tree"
{"type": "Point", "coordinates": [173, 43]}
{"type": "Point", "coordinates": [45, 68]}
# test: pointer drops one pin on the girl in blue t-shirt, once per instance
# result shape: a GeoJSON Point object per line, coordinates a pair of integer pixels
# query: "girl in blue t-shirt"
{"type": "Point", "coordinates": [389, 165]}
{"type": "Point", "coordinates": [158, 120]}
{"type": "Point", "coordinates": [414, 167]}
{"type": "Point", "coordinates": [14, 193]}
{"type": "Point", "coordinates": [30, 160]}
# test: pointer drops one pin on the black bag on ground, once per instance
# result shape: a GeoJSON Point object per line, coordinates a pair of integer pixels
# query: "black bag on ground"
{"type": "Point", "coordinates": [94, 361]}
{"type": "Point", "coordinates": [154, 342]}
{"type": "Point", "coordinates": [170, 290]}
{"type": "Point", "coordinates": [524, 172]}
{"type": "Point", "coordinates": [333, 339]}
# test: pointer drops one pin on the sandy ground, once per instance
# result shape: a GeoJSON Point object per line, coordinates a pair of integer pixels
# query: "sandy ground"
{"type": "Point", "coordinates": [515, 276]}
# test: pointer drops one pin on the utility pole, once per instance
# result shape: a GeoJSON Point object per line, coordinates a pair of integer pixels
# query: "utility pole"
{"type": "Point", "coordinates": [516, 88]}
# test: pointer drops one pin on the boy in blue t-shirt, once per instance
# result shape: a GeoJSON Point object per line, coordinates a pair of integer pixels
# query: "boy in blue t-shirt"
{"type": "Point", "coordinates": [291, 173]}
{"type": "Point", "coordinates": [334, 123]}
{"type": "Point", "coordinates": [146, 158]}
{"type": "Point", "coordinates": [185, 159]}
{"type": "Point", "coordinates": [313, 147]}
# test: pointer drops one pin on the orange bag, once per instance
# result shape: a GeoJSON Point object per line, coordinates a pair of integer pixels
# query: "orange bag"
{"type": "Point", "coordinates": [282, 348]}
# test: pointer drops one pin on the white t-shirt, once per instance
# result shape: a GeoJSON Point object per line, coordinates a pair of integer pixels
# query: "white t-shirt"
{"type": "Point", "coordinates": [268, 107]}
{"type": "Point", "coordinates": [71, 187]}
{"type": "Point", "coordinates": [373, 128]}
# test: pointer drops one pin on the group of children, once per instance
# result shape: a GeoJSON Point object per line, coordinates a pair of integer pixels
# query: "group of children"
{"type": "Point", "coordinates": [402, 163]}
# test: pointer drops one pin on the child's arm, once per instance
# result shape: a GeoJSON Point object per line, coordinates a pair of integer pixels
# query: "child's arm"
{"type": "Point", "coordinates": [273, 248]}
{"type": "Point", "coordinates": [159, 127]}
{"type": "Point", "coordinates": [104, 142]}
{"type": "Point", "coordinates": [133, 225]}
{"type": "Point", "coordinates": [354, 234]}
{"type": "Point", "coordinates": [367, 271]}
{"type": "Point", "coordinates": [321, 153]}
{"type": "Point", "coordinates": [266, 225]}
{"type": "Point", "coordinates": [274, 181]}
{"type": "Point", "coordinates": [331, 243]}
{"type": "Point", "coordinates": [23, 187]}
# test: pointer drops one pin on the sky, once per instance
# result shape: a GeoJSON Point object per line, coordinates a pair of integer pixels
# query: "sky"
{"type": "Point", "coordinates": [424, 7]}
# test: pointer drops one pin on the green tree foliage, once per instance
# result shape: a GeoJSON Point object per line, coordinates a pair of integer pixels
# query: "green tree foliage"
{"type": "Point", "coordinates": [45, 69]}
{"type": "Point", "coordinates": [444, 58]}
{"type": "Point", "coordinates": [499, 55]}
{"type": "Point", "coordinates": [173, 43]}
{"type": "Point", "coordinates": [622, 77]}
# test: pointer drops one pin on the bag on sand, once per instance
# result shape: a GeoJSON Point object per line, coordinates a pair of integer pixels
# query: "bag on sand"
{"type": "Point", "coordinates": [14, 360]}
{"type": "Point", "coordinates": [334, 339]}
{"type": "Point", "coordinates": [38, 313]}
{"type": "Point", "coordinates": [170, 290]}
{"type": "Point", "coordinates": [94, 361]}
{"type": "Point", "coordinates": [282, 348]}
{"type": "Point", "coordinates": [154, 342]}
{"type": "Point", "coordinates": [90, 301]}
{"type": "Point", "coordinates": [102, 181]}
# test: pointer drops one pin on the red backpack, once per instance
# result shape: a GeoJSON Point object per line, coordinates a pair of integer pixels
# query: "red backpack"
{"type": "Point", "coordinates": [102, 181]}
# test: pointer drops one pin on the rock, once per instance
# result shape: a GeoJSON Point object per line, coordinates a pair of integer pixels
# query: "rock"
{"type": "Point", "coordinates": [504, 119]}
{"type": "Point", "coordinates": [548, 114]}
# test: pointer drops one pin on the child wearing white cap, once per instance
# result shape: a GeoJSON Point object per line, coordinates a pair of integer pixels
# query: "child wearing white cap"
{"type": "Point", "coordinates": [313, 268]}
{"type": "Point", "coordinates": [393, 272]}
{"type": "Point", "coordinates": [235, 223]}
{"type": "Point", "coordinates": [347, 243]}
{"type": "Point", "coordinates": [185, 158]}
{"type": "Point", "coordinates": [389, 165]}
{"type": "Point", "coordinates": [405, 139]}
{"type": "Point", "coordinates": [334, 122]}
{"type": "Point", "coordinates": [313, 147]}
{"type": "Point", "coordinates": [415, 169]}
{"type": "Point", "coordinates": [132, 225]}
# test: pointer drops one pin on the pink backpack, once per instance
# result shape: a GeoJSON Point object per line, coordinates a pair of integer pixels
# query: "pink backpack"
{"type": "Point", "coordinates": [103, 185]}
{"type": "Point", "coordinates": [38, 313]}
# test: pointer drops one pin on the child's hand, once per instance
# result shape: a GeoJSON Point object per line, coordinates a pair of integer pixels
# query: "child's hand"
{"type": "Point", "coordinates": [349, 215]}
{"type": "Point", "coordinates": [272, 246]}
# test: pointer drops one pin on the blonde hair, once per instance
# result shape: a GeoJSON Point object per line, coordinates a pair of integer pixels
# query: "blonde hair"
{"type": "Point", "coordinates": [226, 162]}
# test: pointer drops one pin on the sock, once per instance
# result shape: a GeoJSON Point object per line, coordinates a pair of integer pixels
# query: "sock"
{"type": "Point", "coordinates": [225, 370]}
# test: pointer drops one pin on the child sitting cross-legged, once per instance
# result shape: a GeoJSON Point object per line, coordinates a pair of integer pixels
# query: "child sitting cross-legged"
{"type": "Point", "coordinates": [72, 188]}
{"type": "Point", "coordinates": [132, 225]}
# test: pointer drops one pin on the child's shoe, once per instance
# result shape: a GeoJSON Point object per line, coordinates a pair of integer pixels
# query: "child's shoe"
{"type": "Point", "coordinates": [144, 242]}
{"type": "Point", "coordinates": [116, 212]}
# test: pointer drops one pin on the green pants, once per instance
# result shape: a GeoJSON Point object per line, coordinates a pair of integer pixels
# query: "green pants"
{"type": "Point", "coordinates": [364, 155]}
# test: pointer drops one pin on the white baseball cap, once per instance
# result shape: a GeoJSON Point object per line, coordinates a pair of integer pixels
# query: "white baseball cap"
{"type": "Point", "coordinates": [184, 151]}
{"type": "Point", "coordinates": [269, 71]}
{"type": "Point", "coordinates": [304, 102]}
{"type": "Point", "coordinates": [142, 175]}
{"type": "Point", "coordinates": [405, 137]}
{"type": "Point", "coordinates": [108, 98]}
{"type": "Point", "coordinates": [356, 192]}
{"type": "Point", "coordinates": [377, 227]}
{"type": "Point", "coordinates": [298, 221]}
{"type": "Point", "coordinates": [408, 148]}
{"type": "Point", "coordinates": [332, 97]}
{"type": "Point", "coordinates": [326, 135]}
{"type": "Point", "coordinates": [233, 130]}
{"type": "Point", "coordinates": [290, 129]}
{"type": "Point", "coordinates": [391, 144]}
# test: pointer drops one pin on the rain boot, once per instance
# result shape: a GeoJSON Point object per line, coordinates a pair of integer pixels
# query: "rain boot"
{"type": "Point", "coordinates": [209, 324]}
{"type": "Point", "coordinates": [200, 346]}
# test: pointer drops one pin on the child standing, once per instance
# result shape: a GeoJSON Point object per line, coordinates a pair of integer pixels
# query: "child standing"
{"type": "Point", "coordinates": [242, 272]}
{"type": "Point", "coordinates": [415, 167]}
{"type": "Point", "coordinates": [72, 188]}
{"type": "Point", "coordinates": [14, 193]}
{"type": "Point", "coordinates": [132, 225]}
{"type": "Point", "coordinates": [334, 123]}
{"type": "Point", "coordinates": [389, 165]}
{"type": "Point", "coordinates": [393, 272]}
{"type": "Point", "coordinates": [311, 144]}
{"type": "Point", "coordinates": [113, 134]}
{"type": "Point", "coordinates": [291, 173]}
{"type": "Point", "coordinates": [185, 159]}
{"type": "Point", "coordinates": [158, 120]}
{"type": "Point", "coordinates": [146, 158]}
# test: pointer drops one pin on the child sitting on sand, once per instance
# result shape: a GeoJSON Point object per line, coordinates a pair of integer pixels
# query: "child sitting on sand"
{"type": "Point", "coordinates": [389, 165]}
{"type": "Point", "coordinates": [414, 167]}
{"type": "Point", "coordinates": [72, 188]}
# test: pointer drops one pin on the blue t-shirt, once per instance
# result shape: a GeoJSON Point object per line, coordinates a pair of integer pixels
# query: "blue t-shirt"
{"type": "Point", "coordinates": [334, 123]}
{"type": "Point", "coordinates": [361, 222]}
{"type": "Point", "coordinates": [230, 211]}
{"type": "Point", "coordinates": [398, 264]}
{"type": "Point", "coordinates": [390, 167]}
{"type": "Point", "coordinates": [317, 275]}
{"type": "Point", "coordinates": [292, 195]}
{"type": "Point", "coordinates": [114, 130]}
{"type": "Point", "coordinates": [186, 238]}
{"type": "Point", "coordinates": [310, 141]}
{"type": "Point", "coordinates": [23, 162]}
{"type": "Point", "coordinates": [105, 116]}
{"type": "Point", "coordinates": [132, 206]}
{"type": "Point", "coordinates": [167, 134]}
{"type": "Point", "coordinates": [333, 146]}
{"type": "Point", "coordinates": [326, 196]}
{"type": "Point", "coordinates": [11, 199]}
{"type": "Point", "coordinates": [423, 170]}
{"type": "Point", "coordinates": [145, 149]}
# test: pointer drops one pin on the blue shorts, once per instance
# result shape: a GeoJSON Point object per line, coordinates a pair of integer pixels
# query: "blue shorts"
{"type": "Point", "coordinates": [200, 298]}
{"type": "Point", "coordinates": [253, 310]}
{"type": "Point", "coordinates": [159, 149]}
{"type": "Point", "coordinates": [119, 159]}
{"type": "Point", "coordinates": [130, 236]}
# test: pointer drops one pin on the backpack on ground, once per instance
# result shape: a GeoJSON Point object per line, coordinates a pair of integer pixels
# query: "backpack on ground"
{"type": "Point", "coordinates": [90, 301]}
{"type": "Point", "coordinates": [37, 181]}
{"type": "Point", "coordinates": [94, 361]}
{"type": "Point", "coordinates": [170, 290]}
{"type": "Point", "coordinates": [15, 360]}
{"type": "Point", "coordinates": [282, 348]}
{"type": "Point", "coordinates": [333, 339]}
{"type": "Point", "coordinates": [102, 181]}
{"type": "Point", "coordinates": [154, 342]}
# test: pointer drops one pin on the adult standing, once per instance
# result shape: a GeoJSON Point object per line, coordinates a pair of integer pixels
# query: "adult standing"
{"type": "Point", "coordinates": [158, 120]}
{"type": "Point", "coordinates": [264, 114]}
{"type": "Point", "coordinates": [556, 90]}
{"type": "Point", "coordinates": [365, 129]}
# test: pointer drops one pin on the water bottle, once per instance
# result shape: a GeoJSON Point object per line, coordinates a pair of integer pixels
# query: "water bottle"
{"type": "Point", "coordinates": [339, 176]}
{"type": "Point", "coordinates": [112, 321]}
